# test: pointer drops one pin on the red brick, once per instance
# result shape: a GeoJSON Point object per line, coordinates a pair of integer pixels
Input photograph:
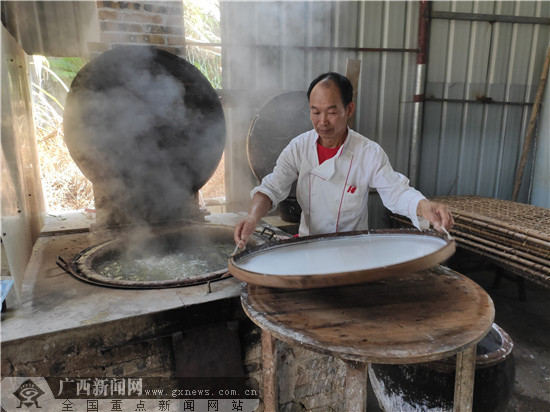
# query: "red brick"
{"type": "Point", "coordinates": [167, 8]}
{"type": "Point", "coordinates": [123, 5]}
{"type": "Point", "coordinates": [175, 40]}
{"type": "Point", "coordinates": [153, 39]}
{"type": "Point", "coordinates": [97, 47]}
{"type": "Point", "coordinates": [118, 38]}
{"type": "Point", "coordinates": [141, 17]}
{"type": "Point", "coordinates": [115, 45]}
{"type": "Point", "coordinates": [132, 38]}
{"type": "Point", "coordinates": [155, 29]}
{"type": "Point", "coordinates": [161, 29]}
{"type": "Point", "coordinates": [118, 5]}
{"type": "Point", "coordinates": [121, 27]}
{"type": "Point", "coordinates": [108, 15]}
{"type": "Point", "coordinates": [107, 4]}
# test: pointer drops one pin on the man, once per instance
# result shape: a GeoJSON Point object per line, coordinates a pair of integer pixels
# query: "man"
{"type": "Point", "coordinates": [334, 167]}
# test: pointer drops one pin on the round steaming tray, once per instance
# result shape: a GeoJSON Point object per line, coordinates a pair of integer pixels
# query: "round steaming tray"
{"type": "Point", "coordinates": [141, 107]}
{"type": "Point", "coordinates": [341, 258]}
{"type": "Point", "coordinates": [279, 120]}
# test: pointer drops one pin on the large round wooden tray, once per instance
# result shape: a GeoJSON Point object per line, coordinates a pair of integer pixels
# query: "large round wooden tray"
{"type": "Point", "coordinates": [341, 258]}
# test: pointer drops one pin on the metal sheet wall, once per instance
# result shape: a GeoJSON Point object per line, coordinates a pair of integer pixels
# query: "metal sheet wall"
{"type": "Point", "coordinates": [481, 81]}
{"type": "Point", "coordinates": [481, 78]}
{"type": "Point", "coordinates": [271, 47]}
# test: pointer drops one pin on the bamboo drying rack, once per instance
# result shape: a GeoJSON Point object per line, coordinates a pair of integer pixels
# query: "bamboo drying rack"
{"type": "Point", "coordinates": [512, 235]}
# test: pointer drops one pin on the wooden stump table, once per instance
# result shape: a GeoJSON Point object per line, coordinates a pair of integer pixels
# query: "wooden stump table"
{"type": "Point", "coordinates": [412, 318]}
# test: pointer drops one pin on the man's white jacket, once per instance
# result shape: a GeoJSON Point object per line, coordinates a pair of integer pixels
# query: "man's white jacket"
{"type": "Point", "coordinates": [334, 195]}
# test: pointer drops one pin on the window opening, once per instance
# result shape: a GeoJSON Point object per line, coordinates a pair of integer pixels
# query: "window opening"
{"type": "Point", "coordinates": [65, 187]}
{"type": "Point", "coordinates": [203, 49]}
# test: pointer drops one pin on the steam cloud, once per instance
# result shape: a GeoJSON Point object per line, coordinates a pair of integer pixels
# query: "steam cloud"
{"type": "Point", "coordinates": [148, 130]}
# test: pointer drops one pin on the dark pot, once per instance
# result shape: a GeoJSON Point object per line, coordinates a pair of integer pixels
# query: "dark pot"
{"type": "Point", "coordinates": [430, 386]}
{"type": "Point", "coordinates": [290, 210]}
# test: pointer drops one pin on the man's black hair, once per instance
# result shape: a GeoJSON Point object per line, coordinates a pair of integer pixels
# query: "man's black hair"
{"type": "Point", "coordinates": [343, 83]}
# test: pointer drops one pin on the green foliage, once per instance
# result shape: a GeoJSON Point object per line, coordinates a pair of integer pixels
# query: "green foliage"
{"type": "Point", "coordinates": [202, 20]}
{"type": "Point", "coordinates": [66, 67]}
{"type": "Point", "coordinates": [64, 185]}
{"type": "Point", "coordinates": [202, 24]}
{"type": "Point", "coordinates": [209, 63]}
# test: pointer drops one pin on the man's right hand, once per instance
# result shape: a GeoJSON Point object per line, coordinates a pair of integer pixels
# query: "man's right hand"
{"type": "Point", "coordinates": [259, 207]}
{"type": "Point", "coordinates": [243, 230]}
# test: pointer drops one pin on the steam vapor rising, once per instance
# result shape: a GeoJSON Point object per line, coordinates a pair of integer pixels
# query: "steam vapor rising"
{"type": "Point", "coordinates": [148, 130]}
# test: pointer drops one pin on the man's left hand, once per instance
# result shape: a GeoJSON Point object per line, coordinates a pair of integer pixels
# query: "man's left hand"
{"type": "Point", "coordinates": [437, 213]}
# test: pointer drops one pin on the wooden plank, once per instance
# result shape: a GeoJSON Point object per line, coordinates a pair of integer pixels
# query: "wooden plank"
{"type": "Point", "coordinates": [531, 127]}
{"type": "Point", "coordinates": [420, 317]}
{"type": "Point", "coordinates": [269, 372]}
{"type": "Point", "coordinates": [464, 380]}
{"type": "Point", "coordinates": [353, 70]}
{"type": "Point", "coordinates": [356, 386]}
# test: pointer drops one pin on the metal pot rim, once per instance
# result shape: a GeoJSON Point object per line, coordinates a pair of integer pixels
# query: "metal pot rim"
{"type": "Point", "coordinates": [82, 264]}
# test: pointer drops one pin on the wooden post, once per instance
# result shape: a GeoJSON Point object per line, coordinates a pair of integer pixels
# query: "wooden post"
{"type": "Point", "coordinates": [464, 379]}
{"type": "Point", "coordinates": [531, 127]}
{"type": "Point", "coordinates": [269, 372]}
{"type": "Point", "coordinates": [353, 68]}
{"type": "Point", "coordinates": [356, 386]}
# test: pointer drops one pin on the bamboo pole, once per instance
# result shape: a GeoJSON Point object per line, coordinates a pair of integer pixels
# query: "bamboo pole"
{"type": "Point", "coordinates": [527, 219]}
{"type": "Point", "coordinates": [525, 246]}
{"type": "Point", "coordinates": [514, 261]}
{"type": "Point", "coordinates": [513, 231]}
{"type": "Point", "coordinates": [509, 250]}
{"type": "Point", "coordinates": [533, 275]}
{"type": "Point", "coordinates": [531, 127]}
{"type": "Point", "coordinates": [506, 238]}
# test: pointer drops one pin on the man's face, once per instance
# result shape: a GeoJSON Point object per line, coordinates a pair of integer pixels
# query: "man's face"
{"type": "Point", "coordinates": [328, 114]}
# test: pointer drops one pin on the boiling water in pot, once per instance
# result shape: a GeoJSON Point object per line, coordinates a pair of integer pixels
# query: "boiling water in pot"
{"type": "Point", "coordinates": [160, 258]}
{"type": "Point", "coordinates": [193, 261]}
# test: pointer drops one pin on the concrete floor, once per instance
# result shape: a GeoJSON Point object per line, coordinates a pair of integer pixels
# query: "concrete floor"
{"type": "Point", "coordinates": [528, 324]}
{"type": "Point", "coordinates": [51, 301]}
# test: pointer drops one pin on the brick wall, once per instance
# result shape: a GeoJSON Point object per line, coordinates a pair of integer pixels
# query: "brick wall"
{"type": "Point", "coordinates": [307, 381]}
{"type": "Point", "coordinates": [158, 23]}
{"type": "Point", "coordinates": [143, 347]}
